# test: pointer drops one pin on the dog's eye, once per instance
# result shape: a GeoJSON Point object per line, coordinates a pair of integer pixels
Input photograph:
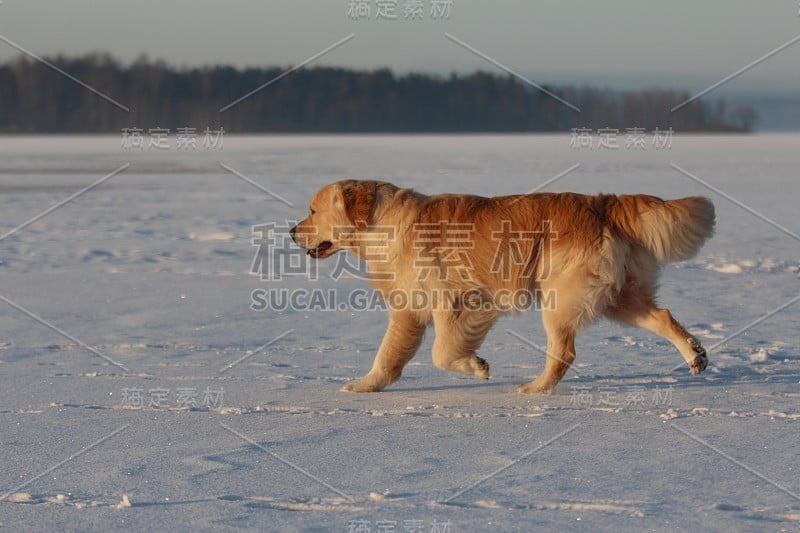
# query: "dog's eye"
{"type": "Point", "coordinates": [312, 211]}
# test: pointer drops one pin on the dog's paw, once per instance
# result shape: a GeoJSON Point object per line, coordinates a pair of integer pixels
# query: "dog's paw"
{"type": "Point", "coordinates": [536, 387]}
{"type": "Point", "coordinates": [701, 361]}
{"type": "Point", "coordinates": [361, 385]}
{"type": "Point", "coordinates": [480, 368]}
{"type": "Point", "coordinates": [699, 364]}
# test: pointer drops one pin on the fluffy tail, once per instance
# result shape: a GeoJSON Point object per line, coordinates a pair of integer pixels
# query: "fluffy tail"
{"type": "Point", "coordinates": [672, 230]}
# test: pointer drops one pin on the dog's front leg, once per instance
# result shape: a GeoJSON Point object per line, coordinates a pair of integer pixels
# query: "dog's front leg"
{"type": "Point", "coordinates": [458, 337]}
{"type": "Point", "coordinates": [400, 343]}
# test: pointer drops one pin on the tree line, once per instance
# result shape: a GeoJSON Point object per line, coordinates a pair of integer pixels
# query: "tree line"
{"type": "Point", "coordinates": [36, 99]}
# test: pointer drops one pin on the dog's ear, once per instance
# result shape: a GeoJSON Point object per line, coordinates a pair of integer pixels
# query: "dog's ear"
{"type": "Point", "coordinates": [359, 199]}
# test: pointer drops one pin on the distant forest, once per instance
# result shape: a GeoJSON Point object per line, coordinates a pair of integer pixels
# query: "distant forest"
{"type": "Point", "coordinates": [36, 99]}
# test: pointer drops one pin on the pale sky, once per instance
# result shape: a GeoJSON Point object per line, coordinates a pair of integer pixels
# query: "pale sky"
{"type": "Point", "coordinates": [612, 43]}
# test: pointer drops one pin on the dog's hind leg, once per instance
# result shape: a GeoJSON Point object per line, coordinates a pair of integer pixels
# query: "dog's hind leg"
{"type": "Point", "coordinates": [400, 343]}
{"type": "Point", "coordinates": [644, 314]}
{"type": "Point", "coordinates": [578, 298]}
{"type": "Point", "coordinates": [560, 353]}
{"type": "Point", "coordinates": [458, 337]}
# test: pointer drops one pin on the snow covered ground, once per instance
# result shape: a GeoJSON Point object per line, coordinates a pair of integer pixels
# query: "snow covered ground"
{"type": "Point", "coordinates": [134, 396]}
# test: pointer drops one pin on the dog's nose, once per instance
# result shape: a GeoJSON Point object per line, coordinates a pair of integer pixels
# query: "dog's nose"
{"type": "Point", "coordinates": [293, 231]}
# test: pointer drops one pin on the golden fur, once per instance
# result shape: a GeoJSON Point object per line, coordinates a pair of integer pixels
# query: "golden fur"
{"type": "Point", "coordinates": [586, 257]}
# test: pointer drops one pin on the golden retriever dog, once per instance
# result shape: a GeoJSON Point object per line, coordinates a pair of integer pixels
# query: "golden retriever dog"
{"type": "Point", "coordinates": [460, 261]}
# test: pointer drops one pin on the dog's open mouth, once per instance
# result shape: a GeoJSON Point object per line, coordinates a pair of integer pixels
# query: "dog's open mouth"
{"type": "Point", "coordinates": [320, 250]}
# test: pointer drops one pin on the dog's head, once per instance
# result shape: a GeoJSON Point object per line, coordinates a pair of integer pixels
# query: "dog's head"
{"type": "Point", "coordinates": [336, 213]}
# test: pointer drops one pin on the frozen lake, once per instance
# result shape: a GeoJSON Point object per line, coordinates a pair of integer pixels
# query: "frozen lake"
{"type": "Point", "coordinates": [133, 365]}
